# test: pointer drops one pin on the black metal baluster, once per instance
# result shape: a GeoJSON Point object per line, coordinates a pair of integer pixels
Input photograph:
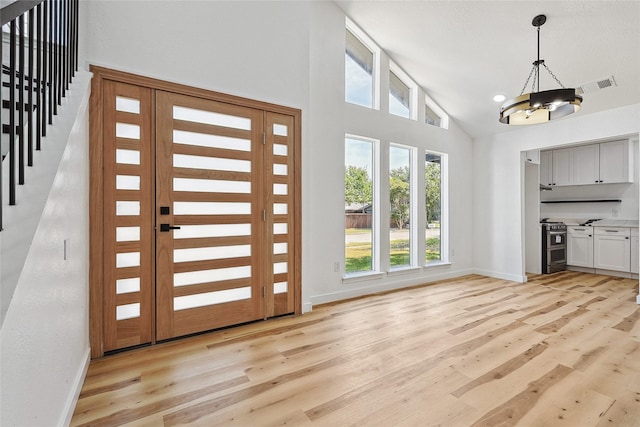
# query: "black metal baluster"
{"type": "Point", "coordinates": [59, 53]}
{"type": "Point", "coordinates": [21, 102]}
{"type": "Point", "coordinates": [76, 10]}
{"type": "Point", "coordinates": [45, 61]}
{"type": "Point", "coordinates": [51, 63]}
{"type": "Point", "coordinates": [63, 48]}
{"type": "Point", "coordinates": [39, 77]}
{"type": "Point", "coordinates": [30, 94]}
{"type": "Point", "coordinates": [12, 113]}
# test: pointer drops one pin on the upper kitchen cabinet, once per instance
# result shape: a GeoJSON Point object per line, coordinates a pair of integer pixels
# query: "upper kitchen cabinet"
{"type": "Point", "coordinates": [585, 165]}
{"type": "Point", "coordinates": [592, 164]}
{"type": "Point", "coordinates": [615, 162]}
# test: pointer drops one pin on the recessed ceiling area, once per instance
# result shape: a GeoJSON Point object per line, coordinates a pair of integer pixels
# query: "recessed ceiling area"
{"type": "Point", "coordinates": [463, 53]}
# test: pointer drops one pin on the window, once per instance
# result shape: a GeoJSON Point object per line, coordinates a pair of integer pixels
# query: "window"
{"type": "Point", "coordinates": [430, 117]}
{"type": "Point", "coordinates": [400, 196]}
{"type": "Point", "coordinates": [399, 96]}
{"type": "Point", "coordinates": [435, 208]}
{"type": "Point", "coordinates": [359, 72]}
{"type": "Point", "coordinates": [434, 115]}
{"type": "Point", "coordinates": [359, 204]}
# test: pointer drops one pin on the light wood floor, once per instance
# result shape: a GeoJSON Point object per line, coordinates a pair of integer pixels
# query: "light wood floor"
{"type": "Point", "coordinates": [560, 350]}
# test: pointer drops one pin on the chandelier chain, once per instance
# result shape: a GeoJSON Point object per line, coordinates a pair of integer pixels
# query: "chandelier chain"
{"type": "Point", "coordinates": [527, 82]}
{"type": "Point", "coordinates": [553, 75]}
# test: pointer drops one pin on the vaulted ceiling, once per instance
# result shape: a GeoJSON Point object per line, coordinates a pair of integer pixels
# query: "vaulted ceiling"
{"type": "Point", "coordinates": [464, 52]}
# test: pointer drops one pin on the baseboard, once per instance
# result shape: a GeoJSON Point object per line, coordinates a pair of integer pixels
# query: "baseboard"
{"type": "Point", "coordinates": [78, 382]}
{"type": "Point", "coordinates": [503, 276]}
{"type": "Point", "coordinates": [353, 292]}
{"type": "Point", "coordinates": [307, 307]}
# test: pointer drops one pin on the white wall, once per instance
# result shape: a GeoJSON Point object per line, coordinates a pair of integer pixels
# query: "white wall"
{"type": "Point", "coordinates": [289, 53]}
{"type": "Point", "coordinates": [44, 339]}
{"type": "Point", "coordinates": [498, 187]}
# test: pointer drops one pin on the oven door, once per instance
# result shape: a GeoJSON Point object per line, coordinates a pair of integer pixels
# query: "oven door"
{"type": "Point", "coordinates": [557, 256]}
{"type": "Point", "coordinates": [556, 239]}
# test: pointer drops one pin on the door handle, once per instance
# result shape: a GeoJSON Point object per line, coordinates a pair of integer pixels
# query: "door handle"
{"type": "Point", "coordinates": [168, 227]}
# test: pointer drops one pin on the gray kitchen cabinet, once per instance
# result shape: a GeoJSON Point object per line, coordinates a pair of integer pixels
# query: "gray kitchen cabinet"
{"type": "Point", "coordinates": [612, 248]}
{"type": "Point", "coordinates": [634, 251]}
{"type": "Point", "coordinates": [590, 164]}
{"type": "Point", "coordinates": [580, 246]}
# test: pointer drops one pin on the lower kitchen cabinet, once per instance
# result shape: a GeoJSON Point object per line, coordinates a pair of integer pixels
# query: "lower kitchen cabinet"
{"type": "Point", "coordinates": [580, 246]}
{"type": "Point", "coordinates": [612, 248]}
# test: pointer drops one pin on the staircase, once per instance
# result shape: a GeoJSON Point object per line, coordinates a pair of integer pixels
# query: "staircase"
{"type": "Point", "coordinates": [39, 60]}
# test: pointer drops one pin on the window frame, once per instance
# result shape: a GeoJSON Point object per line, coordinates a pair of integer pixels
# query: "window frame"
{"type": "Point", "coordinates": [375, 203]}
{"type": "Point", "coordinates": [410, 84]}
{"type": "Point", "coordinates": [444, 209]}
{"type": "Point", "coordinates": [368, 43]}
{"type": "Point", "coordinates": [413, 207]}
{"type": "Point", "coordinates": [435, 108]}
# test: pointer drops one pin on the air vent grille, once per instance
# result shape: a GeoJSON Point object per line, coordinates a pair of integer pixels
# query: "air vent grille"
{"type": "Point", "coordinates": [597, 85]}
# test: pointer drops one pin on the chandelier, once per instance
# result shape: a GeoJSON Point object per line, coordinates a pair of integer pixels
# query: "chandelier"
{"type": "Point", "coordinates": [539, 106]}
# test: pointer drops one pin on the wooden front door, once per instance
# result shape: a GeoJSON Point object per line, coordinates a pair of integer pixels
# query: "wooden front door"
{"type": "Point", "coordinates": [200, 216]}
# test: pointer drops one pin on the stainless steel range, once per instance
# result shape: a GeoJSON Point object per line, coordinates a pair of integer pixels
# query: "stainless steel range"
{"type": "Point", "coordinates": [554, 247]}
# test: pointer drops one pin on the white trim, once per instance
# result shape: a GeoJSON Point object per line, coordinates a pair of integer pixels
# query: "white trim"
{"type": "Point", "coordinates": [307, 307]}
{"type": "Point", "coordinates": [370, 290]}
{"type": "Point", "coordinates": [499, 275]}
{"type": "Point", "coordinates": [72, 399]}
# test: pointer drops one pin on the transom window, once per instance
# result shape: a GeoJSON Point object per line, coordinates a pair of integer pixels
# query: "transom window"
{"type": "Point", "coordinates": [359, 71]}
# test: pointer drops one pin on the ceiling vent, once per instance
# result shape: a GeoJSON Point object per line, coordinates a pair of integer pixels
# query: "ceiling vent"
{"type": "Point", "coordinates": [597, 85]}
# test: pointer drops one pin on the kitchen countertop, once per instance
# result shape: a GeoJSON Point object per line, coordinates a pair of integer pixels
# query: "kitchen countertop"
{"type": "Point", "coordinates": [632, 223]}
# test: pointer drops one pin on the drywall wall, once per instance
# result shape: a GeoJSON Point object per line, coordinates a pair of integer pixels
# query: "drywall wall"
{"type": "Point", "coordinates": [44, 340]}
{"type": "Point", "coordinates": [498, 189]}
{"type": "Point", "coordinates": [289, 53]}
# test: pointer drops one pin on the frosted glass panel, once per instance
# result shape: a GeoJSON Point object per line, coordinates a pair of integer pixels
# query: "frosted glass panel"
{"type": "Point", "coordinates": [211, 118]}
{"type": "Point", "coordinates": [127, 182]}
{"type": "Point", "coordinates": [212, 141]}
{"type": "Point", "coordinates": [214, 230]}
{"type": "Point", "coordinates": [128, 259]}
{"type": "Point", "coordinates": [280, 208]}
{"type": "Point", "coordinates": [127, 234]}
{"type": "Point", "coordinates": [125, 286]}
{"type": "Point", "coordinates": [279, 169]}
{"type": "Point", "coordinates": [280, 288]}
{"type": "Point", "coordinates": [279, 248]}
{"type": "Point", "coordinates": [128, 157]}
{"type": "Point", "coordinates": [211, 298]}
{"type": "Point", "coordinates": [279, 267]}
{"type": "Point", "coordinates": [128, 311]}
{"type": "Point", "coordinates": [279, 150]}
{"type": "Point", "coordinates": [128, 105]}
{"type": "Point", "coordinates": [215, 275]}
{"type": "Point", "coordinates": [211, 185]}
{"type": "Point", "coordinates": [211, 208]}
{"type": "Point", "coordinates": [280, 189]}
{"type": "Point", "coordinates": [211, 163]}
{"type": "Point", "coordinates": [279, 228]}
{"type": "Point", "coordinates": [126, 130]}
{"type": "Point", "coordinates": [221, 252]}
{"type": "Point", "coordinates": [127, 208]}
{"type": "Point", "coordinates": [280, 130]}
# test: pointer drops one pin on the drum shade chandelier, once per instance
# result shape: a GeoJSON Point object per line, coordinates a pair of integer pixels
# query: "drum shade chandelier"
{"type": "Point", "coordinates": [539, 106]}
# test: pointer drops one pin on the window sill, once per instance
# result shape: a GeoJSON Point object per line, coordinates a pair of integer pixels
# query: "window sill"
{"type": "Point", "coordinates": [403, 270]}
{"type": "Point", "coordinates": [438, 264]}
{"type": "Point", "coordinates": [362, 277]}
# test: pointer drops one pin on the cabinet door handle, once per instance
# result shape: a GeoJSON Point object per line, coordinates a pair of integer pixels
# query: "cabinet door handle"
{"type": "Point", "coordinates": [627, 238]}
{"type": "Point", "coordinates": [612, 231]}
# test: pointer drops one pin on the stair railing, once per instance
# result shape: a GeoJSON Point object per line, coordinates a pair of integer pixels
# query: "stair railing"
{"type": "Point", "coordinates": [43, 59]}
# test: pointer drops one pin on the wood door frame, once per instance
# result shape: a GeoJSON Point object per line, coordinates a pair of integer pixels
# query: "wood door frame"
{"type": "Point", "coordinates": [96, 182]}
